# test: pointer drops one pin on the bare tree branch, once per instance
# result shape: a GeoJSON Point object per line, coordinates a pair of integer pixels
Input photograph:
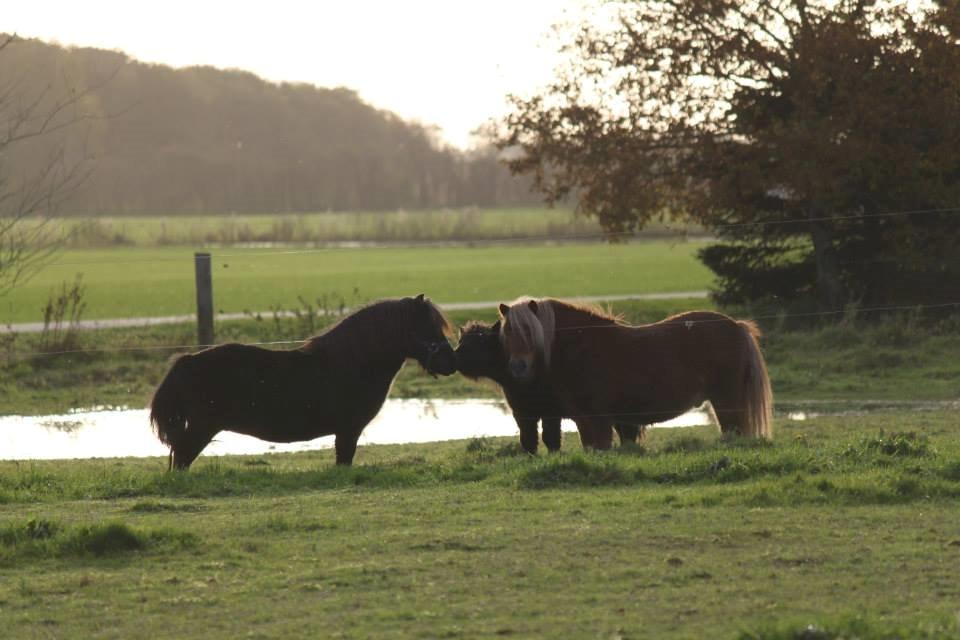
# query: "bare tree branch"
{"type": "Point", "coordinates": [28, 235]}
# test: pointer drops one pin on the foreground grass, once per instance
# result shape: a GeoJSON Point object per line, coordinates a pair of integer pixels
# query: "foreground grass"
{"type": "Point", "coordinates": [844, 525]}
{"type": "Point", "coordinates": [139, 282]}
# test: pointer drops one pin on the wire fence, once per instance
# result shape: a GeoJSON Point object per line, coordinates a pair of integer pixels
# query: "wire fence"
{"type": "Point", "coordinates": [257, 254]}
{"type": "Point", "coordinates": [272, 343]}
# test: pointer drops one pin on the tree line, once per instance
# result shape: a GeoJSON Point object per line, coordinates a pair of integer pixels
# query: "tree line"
{"type": "Point", "coordinates": [153, 139]}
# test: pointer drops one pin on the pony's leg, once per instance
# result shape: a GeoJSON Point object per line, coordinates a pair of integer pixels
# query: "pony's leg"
{"type": "Point", "coordinates": [603, 436]}
{"type": "Point", "coordinates": [345, 445]}
{"type": "Point", "coordinates": [528, 434]}
{"type": "Point", "coordinates": [595, 433]}
{"type": "Point", "coordinates": [730, 420]}
{"type": "Point", "coordinates": [551, 433]}
{"type": "Point", "coordinates": [728, 411]}
{"type": "Point", "coordinates": [628, 433]}
{"type": "Point", "coordinates": [191, 443]}
{"type": "Point", "coordinates": [728, 401]}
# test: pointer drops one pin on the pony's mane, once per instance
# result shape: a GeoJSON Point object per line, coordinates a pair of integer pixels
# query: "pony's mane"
{"type": "Point", "coordinates": [534, 329]}
{"type": "Point", "coordinates": [538, 330]}
{"type": "Point", "coordinates": [375, 325]}
{"type": "Point", "coordinates": [439, 320]}
{"type": "Point", "coordinates": [594, 311]}
{"type": "Point", "coordinates": [476, 326]}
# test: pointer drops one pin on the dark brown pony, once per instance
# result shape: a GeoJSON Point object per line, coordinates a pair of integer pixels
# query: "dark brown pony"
{"type": "Point", "coordinates": [480, 354]}
{"type": "Point", "coordinates": [335, 383]}
{"type": "Point", "coordinates": [602, 369]}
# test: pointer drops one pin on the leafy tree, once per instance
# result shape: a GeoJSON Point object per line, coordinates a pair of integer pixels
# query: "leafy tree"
{"type": "Point", "coordinates": [799, 132]}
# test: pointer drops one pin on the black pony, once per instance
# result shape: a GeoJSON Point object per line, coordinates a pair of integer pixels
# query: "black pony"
{"type": "Point", "coordinates": [335, 383]}
{"type": "Point", "coordinates": [480, 354]}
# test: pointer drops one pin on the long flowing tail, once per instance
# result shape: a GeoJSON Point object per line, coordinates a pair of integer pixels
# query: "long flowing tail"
{"type": "Point", "coordinates": [167, 411]}
{"type": "Point", "coordinates": [757, 394]}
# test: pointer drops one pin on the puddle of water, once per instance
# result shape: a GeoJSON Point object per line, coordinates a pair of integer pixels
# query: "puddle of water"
{"type": "Point", "coordinates": [105, 433]}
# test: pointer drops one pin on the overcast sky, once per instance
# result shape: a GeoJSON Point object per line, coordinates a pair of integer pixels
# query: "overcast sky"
{"type": "Point", "coordinates": [443, 62]}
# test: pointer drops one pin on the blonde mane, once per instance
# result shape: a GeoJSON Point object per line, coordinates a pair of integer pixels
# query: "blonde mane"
{"type": "Point", "coordinates": [536, 330]}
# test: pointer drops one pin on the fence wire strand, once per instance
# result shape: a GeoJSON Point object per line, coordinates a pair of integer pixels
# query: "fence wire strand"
{"type": "Point", "coordinates": [194, 347]}
{"type": "Point", "coordinates": [255, 253]}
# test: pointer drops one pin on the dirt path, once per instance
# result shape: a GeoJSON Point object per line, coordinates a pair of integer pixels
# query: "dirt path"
{"type": "Point", "coordinates": [112, 323]}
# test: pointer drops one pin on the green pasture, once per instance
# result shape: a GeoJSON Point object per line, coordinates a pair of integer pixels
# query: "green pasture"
{"type": "Point", "coordinates": [136, 282]}
{"type": "Point", "coordinates": [844, 527]}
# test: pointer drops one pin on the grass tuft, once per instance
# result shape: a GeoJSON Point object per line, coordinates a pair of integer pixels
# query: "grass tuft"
{"type": "Point", "coordinates": [37, 538]}
{"type": "Point", "coordinates": [899, 444]}
{"type": "Point", "coordinates": [577, 471]}
{"type": "Point", "coordinates": [684, 443]}
{"type": "Point", "coordinates": [484, 448]}
{"type": "Point", "coordinates": [152, 506]}
{"type": "Point", "coordinates": [102, 540]}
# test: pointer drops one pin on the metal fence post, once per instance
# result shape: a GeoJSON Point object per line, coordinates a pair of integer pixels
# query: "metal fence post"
{"type": "Point", "coordinates": [201, 263]}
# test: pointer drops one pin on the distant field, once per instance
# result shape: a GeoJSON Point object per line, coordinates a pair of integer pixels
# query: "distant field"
{"type": "Point", "coordinates": [134, 282]}
{"type": "Point", "coordinates": [328, 227]}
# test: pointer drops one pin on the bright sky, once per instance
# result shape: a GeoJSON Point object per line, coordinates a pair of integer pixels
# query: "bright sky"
{"type": "Point", "coordinates": [444, 62]}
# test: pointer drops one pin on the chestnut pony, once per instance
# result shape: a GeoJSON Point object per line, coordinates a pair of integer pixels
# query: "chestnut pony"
{"type": "Point", "coordinates": [480, 355]}
{"type": "Point", "coordinates": [602, 369]}
{"type": "Point", "coordinates": [335, 383]}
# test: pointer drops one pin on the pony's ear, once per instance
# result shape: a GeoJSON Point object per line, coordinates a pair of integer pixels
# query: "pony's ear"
{"type": "Point", "coordinates": [504, 309]}
{"type": "Point", "coordinates": [419, 298]}
{"type": "Point", "coordinates": [533, 306]}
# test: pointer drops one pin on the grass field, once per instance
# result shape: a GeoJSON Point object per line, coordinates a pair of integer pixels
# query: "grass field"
{"type": "Point", "coordinates": [466, 224]}
{"type": "Point", "coordinates": [844, 527]}
{"type": "Point", "coordinates": [137, 282]}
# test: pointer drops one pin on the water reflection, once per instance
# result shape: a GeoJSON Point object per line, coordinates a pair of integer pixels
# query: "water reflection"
{"type": "Point", "coordinates": [110, 433]}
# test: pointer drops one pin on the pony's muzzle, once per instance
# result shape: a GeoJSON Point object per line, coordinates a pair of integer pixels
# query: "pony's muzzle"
{"type": "Point", "coordinates": [440, 359]}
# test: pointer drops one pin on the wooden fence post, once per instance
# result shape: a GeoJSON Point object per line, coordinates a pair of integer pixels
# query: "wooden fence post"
{"type": "Point", "coordinates": [201, 263]}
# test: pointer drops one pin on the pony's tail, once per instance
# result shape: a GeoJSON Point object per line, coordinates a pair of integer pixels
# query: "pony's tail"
{"type": "Point", "coordinates": [757, 394]}
{"type": "Point", "coordinates": [167, 413]}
